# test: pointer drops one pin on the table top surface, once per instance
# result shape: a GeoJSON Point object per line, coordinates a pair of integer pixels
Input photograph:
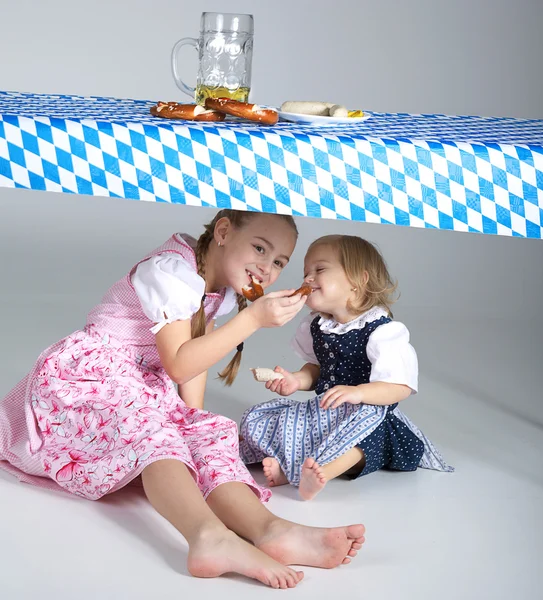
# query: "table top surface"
{"type": "Point", "coordinates": [400, 126]}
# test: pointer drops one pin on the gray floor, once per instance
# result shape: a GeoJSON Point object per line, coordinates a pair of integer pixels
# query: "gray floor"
{"type": "Point", "coordinates": [473, 313]}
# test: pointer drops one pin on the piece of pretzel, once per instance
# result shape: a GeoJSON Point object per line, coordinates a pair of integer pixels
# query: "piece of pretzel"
{"type": "Point", "coordinates": [253, 290]}
{"type": "Point", "coordinates": [244, 110]}
{"type": "Point", "coordinates": [305, 289]}
{"type": "Point", "coordinates": [262, 374]}
{"type": "Point", "coordinates": [187, 112]}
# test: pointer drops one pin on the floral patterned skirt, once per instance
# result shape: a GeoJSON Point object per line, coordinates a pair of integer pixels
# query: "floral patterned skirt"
{"type": "Point", "coordinates": [93, 414]}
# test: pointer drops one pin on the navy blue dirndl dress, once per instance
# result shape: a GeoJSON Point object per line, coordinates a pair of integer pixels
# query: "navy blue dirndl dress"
{"type": "Point", "coordinates": [291, 431]}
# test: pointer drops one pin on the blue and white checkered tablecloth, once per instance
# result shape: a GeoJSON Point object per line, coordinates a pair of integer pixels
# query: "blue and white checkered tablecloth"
{"type": "Point", "coordinates": [461, 173]}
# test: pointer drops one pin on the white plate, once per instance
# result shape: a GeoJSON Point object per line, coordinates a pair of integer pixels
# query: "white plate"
{"type": "Point", "coordinates": [321, 120]}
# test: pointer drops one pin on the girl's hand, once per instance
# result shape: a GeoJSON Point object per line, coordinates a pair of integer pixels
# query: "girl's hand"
{"type": "Point", "coordinates": [341, 394]}
{"type": "Point", "coordinates": [276, 308]}
{"type": "Point", "coordinates": [286, 386]}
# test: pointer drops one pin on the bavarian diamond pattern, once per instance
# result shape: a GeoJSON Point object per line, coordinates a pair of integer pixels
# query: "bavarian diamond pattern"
{"type": "Point", "coordinates": [445, 172]}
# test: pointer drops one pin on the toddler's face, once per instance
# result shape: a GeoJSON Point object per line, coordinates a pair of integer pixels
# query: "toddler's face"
{"type": "Point", "coordinates": [324, 273]}
{"type": "Point", "coordinates": [261, 248]}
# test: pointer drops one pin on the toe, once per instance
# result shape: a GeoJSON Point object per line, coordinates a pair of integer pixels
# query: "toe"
{"type": "Point", "coordinates": [346, 561]}
{"type": "Point", "coordinates": [356, 546]}
{"type": "Point", "coordinates": [291, 581]}
{"type": "Point", "coordinates": [355, 531]}
{"type": "Point", "coordinates": [352, 553]}
{"type": "Point", "coordinates": [309, 462]}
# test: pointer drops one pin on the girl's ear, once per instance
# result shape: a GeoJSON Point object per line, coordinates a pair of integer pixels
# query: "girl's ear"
{"type": "Point", "coordinates": [365, 277]}
{"type": "Point", "coordinates": [222, 228]}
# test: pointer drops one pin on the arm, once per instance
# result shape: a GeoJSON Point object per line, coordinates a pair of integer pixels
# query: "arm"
{"type": "Point", "coordinates": [381, 393]}
{"type": "Point", "coordinates": [394, 370]}
{"type": "Point", "coordinates": [378, 393]}
{"type": "Point", "coordinates": [307, 377]}
{"type": "Point", "coordinates": [303, 380]}
{"type": "Point", "coordinates": [184, 358]}
{"type": "Point", "coordinates": [192, 393]}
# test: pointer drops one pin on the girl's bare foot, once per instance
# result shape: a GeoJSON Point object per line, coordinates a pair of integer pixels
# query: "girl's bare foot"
{"type": "Point", "coordinates": [312, 480]}
{"type": "Point", "coordinates": [218, 552]}
{"type": "Point", "coordinates": [273, 472]}
{"type": "Point", "coordinates": [294, 544]}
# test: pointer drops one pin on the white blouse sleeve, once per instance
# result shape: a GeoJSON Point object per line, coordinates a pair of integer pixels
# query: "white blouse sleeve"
{"type": "Point", "coordinates": [302, 342]}
{"type": "Point", "coordinates": [169, 289]}
{"type": "Point", "coordinates": [393, 359]}
{"type": "Point", "coordinates": [228, 304]}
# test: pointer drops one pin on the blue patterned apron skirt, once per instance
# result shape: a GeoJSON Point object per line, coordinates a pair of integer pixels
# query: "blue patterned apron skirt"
{"type": "Point", "coordinates": [291, 431]}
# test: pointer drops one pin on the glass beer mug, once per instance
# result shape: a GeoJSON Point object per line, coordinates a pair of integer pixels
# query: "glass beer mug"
{"type": "Point", "coordinates": [225, 50]}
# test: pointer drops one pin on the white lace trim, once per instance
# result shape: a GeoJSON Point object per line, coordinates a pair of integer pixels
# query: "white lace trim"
{"type": "Point", "coordinates": [332, 326]}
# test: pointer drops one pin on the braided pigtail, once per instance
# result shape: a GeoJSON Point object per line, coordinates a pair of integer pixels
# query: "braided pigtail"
{"type": "Point", "coordinates": [228, 375]}
{"type": "Point", "coordinates": [198, 324]}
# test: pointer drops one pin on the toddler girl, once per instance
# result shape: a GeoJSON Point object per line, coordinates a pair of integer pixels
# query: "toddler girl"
{"type": "Point", "coordinates": [359, 363]}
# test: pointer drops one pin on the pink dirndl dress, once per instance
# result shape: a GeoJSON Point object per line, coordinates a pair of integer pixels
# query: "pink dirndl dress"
{"type": "Point", "coordinates": [98, 407]}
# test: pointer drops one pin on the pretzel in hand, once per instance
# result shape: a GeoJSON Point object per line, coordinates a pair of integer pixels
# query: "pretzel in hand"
{"type": "Point", "coordinates": [254, 290]}
{"type": "Point", "coordinates": [187, 112]}
{"type": "Point", "coordinates": [243, 110]}
{"type": "Point", "coordinates": [305, 289]}
{"type": "Point", "coordinates": [263, 375]}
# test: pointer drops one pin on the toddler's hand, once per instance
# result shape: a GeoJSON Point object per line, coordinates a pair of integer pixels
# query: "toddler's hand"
{"type": "Point", "coordinates": [286, 386]}
{"type": "Point", "coordinates": [341, 394]}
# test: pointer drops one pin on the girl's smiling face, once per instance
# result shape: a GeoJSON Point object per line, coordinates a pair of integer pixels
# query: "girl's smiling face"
{"type": "Point", "coordinates": [331, 288]}
{"type": "Point", "coordinates": [261, 248]}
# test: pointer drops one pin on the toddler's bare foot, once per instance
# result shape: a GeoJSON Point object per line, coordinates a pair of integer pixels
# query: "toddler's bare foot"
{"type": "Point", "coordinates": [273, 472]}
{"type": "Point", "coordinates": [293, 544]}
{"type": "Point", "coordinates": [312, 480]}
{"type": "Point", "coordinates": [216, 553]}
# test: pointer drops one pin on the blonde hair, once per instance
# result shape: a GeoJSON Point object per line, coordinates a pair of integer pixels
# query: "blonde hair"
{"type": "Point", "coordinates": [238, 219]}
{"type": "Point", "coordinates": [359, 257]}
